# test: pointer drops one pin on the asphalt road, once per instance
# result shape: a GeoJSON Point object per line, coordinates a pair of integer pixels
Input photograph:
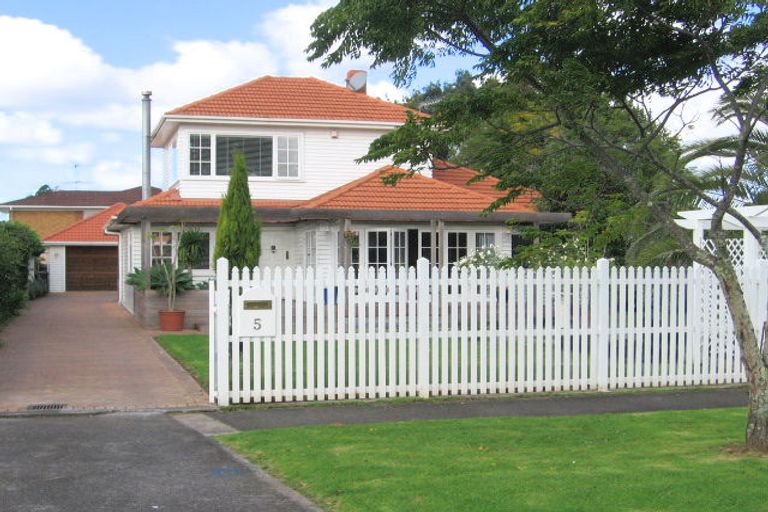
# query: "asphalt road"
{"type": "Point", "coordinates": [125, 462]}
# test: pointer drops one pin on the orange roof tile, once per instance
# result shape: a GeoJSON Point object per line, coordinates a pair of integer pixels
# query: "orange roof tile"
{"type": "Point", "coordinates": [294, 98]}
{"type": "Point", "coordinates": [459, 176]}
{"type": "Point", "coordinates": [90, 229]}
{"type": "Point", "coordinates": [415, 192]}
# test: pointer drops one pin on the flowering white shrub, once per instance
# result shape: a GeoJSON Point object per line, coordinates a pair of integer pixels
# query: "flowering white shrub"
{"type": "Point", "coordinates": [487, 257]}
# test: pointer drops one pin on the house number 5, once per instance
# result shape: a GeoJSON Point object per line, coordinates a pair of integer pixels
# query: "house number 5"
{"type": "Point", "coordinates": [257, 323]}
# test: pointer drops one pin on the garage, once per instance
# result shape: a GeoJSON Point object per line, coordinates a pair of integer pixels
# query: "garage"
{"type": "Point", "coordinates": [91, 268]}
{"type": "Point", "coordinates": [83, 257]}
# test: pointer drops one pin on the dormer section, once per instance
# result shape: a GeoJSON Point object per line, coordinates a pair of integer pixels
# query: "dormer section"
{"type": "Point", "coordinates": [300, 137]}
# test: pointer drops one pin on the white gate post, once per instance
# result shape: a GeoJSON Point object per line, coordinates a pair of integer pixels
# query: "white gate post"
{"type": "Point", "coordinates": [222, 337]}
{"type": "Point", "coordinates": [601, 311]}
{"type": "Point", "coordinates": [422, 327]}
{"type": "Point", "coordinates": [211, 339]}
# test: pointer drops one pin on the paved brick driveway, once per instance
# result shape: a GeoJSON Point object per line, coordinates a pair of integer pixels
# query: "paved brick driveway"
{"type": "Point", "coordinates": [84, 350]}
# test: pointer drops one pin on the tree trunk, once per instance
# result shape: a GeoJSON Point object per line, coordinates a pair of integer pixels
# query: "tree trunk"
{"type": "Point", "coordinates": [757, 419]}
{"type": "Point", "coordinates": [751, 357]}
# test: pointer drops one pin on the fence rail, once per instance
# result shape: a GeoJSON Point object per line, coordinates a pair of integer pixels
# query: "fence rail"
{"type": "Point", "coordinates": [433, 331]}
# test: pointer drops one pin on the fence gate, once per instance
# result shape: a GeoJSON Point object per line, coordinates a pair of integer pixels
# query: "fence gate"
{"type": "Point", "coordinates": [281, 334]}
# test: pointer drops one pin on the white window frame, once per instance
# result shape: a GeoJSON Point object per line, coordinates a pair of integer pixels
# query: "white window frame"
{"type": "Point", "coordinates": [186, 137]}
{"type": "Point", "coordinates": [393, 247]}
{"type": "Point", "coordinates": [467, 246]}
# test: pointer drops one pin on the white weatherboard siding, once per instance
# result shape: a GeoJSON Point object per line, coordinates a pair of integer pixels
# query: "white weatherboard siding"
{"type": "Point", "coordinates": [57, 268]}
{"type": "Point", "coordinates": [325, 162]}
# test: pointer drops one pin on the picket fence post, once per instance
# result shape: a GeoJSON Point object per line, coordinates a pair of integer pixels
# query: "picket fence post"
{"type": "Point", "coordinates": [222, 332]}
{"type": "Point", "coordinates": [422, 327]}
{"type": "Point", "coordinates": [602, 318]}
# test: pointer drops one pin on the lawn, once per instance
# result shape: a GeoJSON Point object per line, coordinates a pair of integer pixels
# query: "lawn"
{"type": "Point", "coordinates": [650, 461]}
{"type": "Point", "coordinates": [191, 351]}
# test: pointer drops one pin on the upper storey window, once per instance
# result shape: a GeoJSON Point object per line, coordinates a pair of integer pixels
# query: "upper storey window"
{"type": "Point", "coordinates": [200, 155]}
{"type": "Point", "coordinates": [265, 156]}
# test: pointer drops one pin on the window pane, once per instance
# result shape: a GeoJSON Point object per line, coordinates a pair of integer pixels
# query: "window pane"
{"type": "Point", "coordinates": [372, 238]}
{"type": "Point", "coordinates": [194, 168]}
{"type": "Point", "coordinates": [257, 152]}
{"type": "Point", "coordinates": [463, 239]}
{"type": "Point", "coordinates": [383, 238]}
{"type": "Point", "coordinates": [452, 239]}
{"type": "Point", "coordinates": [205, 169]}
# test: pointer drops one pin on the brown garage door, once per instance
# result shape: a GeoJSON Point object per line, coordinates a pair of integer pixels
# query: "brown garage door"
{"type": "Point", "coordinates": [91, 268]}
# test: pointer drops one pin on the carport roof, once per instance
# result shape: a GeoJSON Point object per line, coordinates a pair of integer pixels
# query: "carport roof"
{"type": "Point", "coordinates": [88, 230]}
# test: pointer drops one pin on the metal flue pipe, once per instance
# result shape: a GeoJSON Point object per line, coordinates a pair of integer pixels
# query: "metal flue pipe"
{"type": "Point", "coordinates": [146, 174]}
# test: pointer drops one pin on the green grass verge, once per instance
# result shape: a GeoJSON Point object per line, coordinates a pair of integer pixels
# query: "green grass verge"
{"type": "Point", "coordinates": [640, 462]}
{"type": "Point", "coordinates": [191, 351]}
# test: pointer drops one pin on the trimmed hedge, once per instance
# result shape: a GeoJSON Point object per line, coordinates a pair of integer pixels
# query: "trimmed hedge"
{"type": "Point", "coordinates": [18, 244]}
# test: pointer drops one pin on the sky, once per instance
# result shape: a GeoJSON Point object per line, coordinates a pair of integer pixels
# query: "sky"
{"type": "Point", "coordinates": [71, 76]}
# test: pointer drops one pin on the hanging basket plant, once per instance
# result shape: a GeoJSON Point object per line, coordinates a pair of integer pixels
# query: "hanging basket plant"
{"type": "Point", "coordinates": [352, 238]}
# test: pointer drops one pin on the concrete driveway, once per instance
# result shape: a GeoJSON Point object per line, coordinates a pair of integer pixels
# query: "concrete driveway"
{"type": "Point", "coordinates": [83, 350]}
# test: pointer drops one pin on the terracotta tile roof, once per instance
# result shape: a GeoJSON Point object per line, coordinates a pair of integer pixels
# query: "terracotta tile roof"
{"type": "Point", "coordinates": [171, 198]}
{"type": "Point", "coordinates": [90, 229]}
{"type": "Point", "coordinates": [82, 198]}
{"type": "Point", "coordinates": [459, 176]}
{"type": "Point", "coordinates": [294, 98]}
{"type": "Point", "coordinates": [416, 192]}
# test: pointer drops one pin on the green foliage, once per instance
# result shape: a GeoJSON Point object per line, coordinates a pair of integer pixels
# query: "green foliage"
{"type": "Point", "coordinates": [167, 279]}
{"type": "Point", "coordinates": [45, 189]}
{"type": "Point", "coordinates": [238, 233]}
{"type": "Point", "coordinates": [18, 245]}
{"type": "Point", "coordinates": [191, 249]}
{"type": "Point", "coordinates": [159, 279]}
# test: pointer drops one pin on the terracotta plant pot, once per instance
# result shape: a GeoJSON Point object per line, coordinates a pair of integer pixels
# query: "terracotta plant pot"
{"type": "Point", "coordinates": [171, 320]}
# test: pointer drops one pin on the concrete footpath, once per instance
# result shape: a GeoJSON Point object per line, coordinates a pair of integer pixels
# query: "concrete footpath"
{"type": "Point", "coordinates": [263, 417]}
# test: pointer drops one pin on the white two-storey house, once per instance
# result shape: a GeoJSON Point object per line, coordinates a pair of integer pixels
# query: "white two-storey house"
{"type": "Point", "coordinates": [300, 138]}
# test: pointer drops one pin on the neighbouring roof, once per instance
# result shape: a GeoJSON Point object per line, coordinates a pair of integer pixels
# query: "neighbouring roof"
{"type": "Point", "coordinates": [294, 98]}
{"type": "Point", "coordinates": [82, 198]}
{"type": "Point", "coordinates": [88, 230]}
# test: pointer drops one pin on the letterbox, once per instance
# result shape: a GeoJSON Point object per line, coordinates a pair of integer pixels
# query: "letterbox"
{"type": "Point", "coordinates": [257, 313]}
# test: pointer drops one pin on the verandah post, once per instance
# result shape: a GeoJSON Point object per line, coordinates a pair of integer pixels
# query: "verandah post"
{"type": "Point", "coordinates": [222, 332]}
{"type": "Point", "coordinates": [601, 323]}
{"type": "Point", "coordinates": [422, 327]}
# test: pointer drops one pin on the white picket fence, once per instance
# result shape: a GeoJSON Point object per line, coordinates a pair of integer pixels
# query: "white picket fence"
{"type": "Point", "coordinates": [433, 331]}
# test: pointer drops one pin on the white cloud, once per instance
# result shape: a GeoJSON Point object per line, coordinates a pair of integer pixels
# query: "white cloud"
{"type": "Point", "coordinates": [22, 128]}
{"type": "Point", "coordinates": [74, 154]}
{"type": "Point", "coordinates": [386, 91]}
{"type": "Point", "coordinates": [115, 174]}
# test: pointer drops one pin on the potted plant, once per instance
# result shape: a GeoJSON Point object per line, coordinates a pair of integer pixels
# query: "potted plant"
{"type": "Point", "coordinates": [166, 279]}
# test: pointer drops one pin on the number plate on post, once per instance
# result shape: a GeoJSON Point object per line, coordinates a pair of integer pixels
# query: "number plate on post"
{"type": "Point", "coordinates": [257, 313]}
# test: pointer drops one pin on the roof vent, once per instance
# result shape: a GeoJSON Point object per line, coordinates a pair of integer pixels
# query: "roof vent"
{"type": "Point", "coordinates": [357, 80]}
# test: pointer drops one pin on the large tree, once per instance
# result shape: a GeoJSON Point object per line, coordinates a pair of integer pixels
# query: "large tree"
{"type": "Point", "coordinates": [566, 67]}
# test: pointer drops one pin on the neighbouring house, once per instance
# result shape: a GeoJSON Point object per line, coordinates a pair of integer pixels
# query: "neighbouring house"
{"type": "Point", "coordinates": [82, 256]}
{"type": "Point", "coordinates": [320, 208]}
{"type": "Point", "coordinates": [53, 211]}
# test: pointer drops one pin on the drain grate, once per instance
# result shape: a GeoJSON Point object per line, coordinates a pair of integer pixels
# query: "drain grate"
{"type": "Point", "coordinates": [46, 407]}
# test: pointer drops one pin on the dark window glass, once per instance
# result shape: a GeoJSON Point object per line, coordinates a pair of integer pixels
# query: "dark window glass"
{"type": "Point", "coordinates": [257, 152]}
